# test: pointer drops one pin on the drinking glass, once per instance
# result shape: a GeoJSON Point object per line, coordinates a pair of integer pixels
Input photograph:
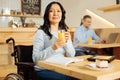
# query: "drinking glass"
{"type": "Point", "coordinates": [90, 40]}
{"type": "Point", "coordinates": [61, 34]}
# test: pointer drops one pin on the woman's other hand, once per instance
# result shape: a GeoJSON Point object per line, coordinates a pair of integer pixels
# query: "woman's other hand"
{"type": "Point", "coordinates": [59, 43]}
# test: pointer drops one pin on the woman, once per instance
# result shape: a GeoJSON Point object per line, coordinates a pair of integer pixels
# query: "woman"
{"type": "Point", "coordinates": [47, 44]}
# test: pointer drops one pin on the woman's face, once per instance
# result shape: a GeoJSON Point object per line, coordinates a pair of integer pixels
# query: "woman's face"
{"type": "Point", "coordinates": [55, 14]}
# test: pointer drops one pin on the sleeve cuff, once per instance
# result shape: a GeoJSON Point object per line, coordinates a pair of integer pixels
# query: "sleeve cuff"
{"type": "Point", "coordinates": [52, 50]}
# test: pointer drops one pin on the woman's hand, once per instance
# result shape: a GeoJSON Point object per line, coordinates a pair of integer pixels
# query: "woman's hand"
{"type": "Point", "coordinates": [67, 36]}
{"type": "Point", "coordinates": [58, 44]}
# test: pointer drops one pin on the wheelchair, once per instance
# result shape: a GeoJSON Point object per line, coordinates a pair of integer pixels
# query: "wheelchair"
{"type": "Point", "coordinates": [23, 60]}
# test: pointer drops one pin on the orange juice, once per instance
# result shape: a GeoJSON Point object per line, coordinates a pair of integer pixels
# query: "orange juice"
{"type": "Point", "coordinates": [61, 35]}
{"type": "Point", "coordinates": [90, 40]}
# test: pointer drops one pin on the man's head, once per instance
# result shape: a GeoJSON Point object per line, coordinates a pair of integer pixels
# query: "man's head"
{"type": "Point", "coordinates": [86, 21]}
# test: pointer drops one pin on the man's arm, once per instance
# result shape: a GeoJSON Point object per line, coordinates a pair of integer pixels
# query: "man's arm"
{"type": "Point", "coordinates": [95, 36]}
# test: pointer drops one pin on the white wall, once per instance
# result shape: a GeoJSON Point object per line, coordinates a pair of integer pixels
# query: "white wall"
{"type": "Point", "coordinates": [76, 9]}
{"type": "Point", "coordinates": [16, 5]}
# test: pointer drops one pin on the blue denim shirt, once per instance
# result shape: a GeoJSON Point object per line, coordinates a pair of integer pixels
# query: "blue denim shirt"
{"type": "Point", "coordinates": [42, 47]}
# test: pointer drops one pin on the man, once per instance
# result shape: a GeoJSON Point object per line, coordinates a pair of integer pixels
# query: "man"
{"type": "Point", "coordinates": [82, 34]}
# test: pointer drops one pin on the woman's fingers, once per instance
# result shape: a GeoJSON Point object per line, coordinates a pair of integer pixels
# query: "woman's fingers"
{"type": "Point", "coordinates": [67, 35]}
{"type": "Point", "coordinates": [58, 44]}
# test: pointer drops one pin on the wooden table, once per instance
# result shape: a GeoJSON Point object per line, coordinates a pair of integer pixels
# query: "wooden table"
{"type": "Point", "coordinates": [115, 46]}
{"type": "Point", "coordinates": [99, 46]}
{"type": "Point", "coordinates": [79, 70]}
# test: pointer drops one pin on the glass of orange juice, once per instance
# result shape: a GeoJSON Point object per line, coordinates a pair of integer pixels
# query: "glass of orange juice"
{"type": "Point", "coordinates": [90, 40]}
{"type": "Point", "coordinates": [61, 34]}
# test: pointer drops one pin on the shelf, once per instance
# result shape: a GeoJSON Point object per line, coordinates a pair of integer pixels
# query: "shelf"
{"type": "Point", "coordinates": [110, 8]}
{"type": "Point", "coordinates": [28, 16]}
{"type": "Point", "coordinates": [2, 30]}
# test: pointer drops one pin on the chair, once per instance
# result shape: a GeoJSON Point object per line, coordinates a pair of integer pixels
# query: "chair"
{"type": "Point", "coordinates": [23, 60]}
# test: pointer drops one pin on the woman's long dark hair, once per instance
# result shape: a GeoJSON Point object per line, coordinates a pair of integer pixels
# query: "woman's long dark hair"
{"type": "Point", "coordinates": [85, 17]}
{"type": "Point", "coordinates": [46, 25]}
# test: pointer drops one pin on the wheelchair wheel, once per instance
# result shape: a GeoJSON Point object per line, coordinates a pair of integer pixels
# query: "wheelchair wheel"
{"type": "Point", "coordinates": [13, 76]}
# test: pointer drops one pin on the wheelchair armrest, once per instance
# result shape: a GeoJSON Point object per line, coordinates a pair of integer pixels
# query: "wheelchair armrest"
{"type": "Point", "coordinates": [25, 64]}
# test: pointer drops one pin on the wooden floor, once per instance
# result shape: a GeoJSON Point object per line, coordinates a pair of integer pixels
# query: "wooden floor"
{"type": "Point", "coordinates": [4, 70]}
{"type": "Point", "coordinates": [1, 78]}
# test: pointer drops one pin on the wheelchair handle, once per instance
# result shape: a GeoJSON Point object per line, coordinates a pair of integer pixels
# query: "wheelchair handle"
{"type": "Point", "coordinates": [11, 39]}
